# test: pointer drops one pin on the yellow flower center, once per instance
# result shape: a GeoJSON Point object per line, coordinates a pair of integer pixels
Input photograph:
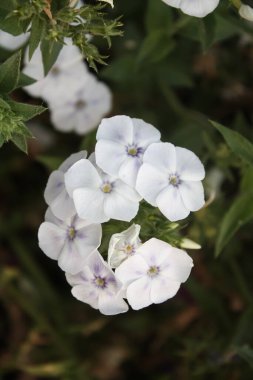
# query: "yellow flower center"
{"type": "Point", "coordinates": [129, 248]}
{"type": "Point", "coordinates": [132, 151]}
{"type": "Point", "coordinates": [100, 282]}
{"type": "Point", "coordinates": [106, 188]}
{"type": "Point", "coordinates": [72, 233]}
{"type": "Point", "coordinates": [153, 271]}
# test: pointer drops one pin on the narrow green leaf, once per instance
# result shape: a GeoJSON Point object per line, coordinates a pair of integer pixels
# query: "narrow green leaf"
{"type": "Point", "coordinates": [20, 142]}
{"type": "Point", "coordinates": [27, 111]}
{"type": "Point", "coordinates": [237, 143]}
{"type": "Point", "coordinates": [50, 51]}
{"type": "Point", "coordinates": [9, 73]}
{"type": "Point", "coordinates": [155, 47]}
{"type": "Point", "coordinates": [25, 80]}
{"type": "Point", "coordinates": [240, 213]}
{"type": "Point", "coordinates": [4, 104]}
{"type": "Point", "coordinates": [37, 33]}
{"type": "Point", "coordinates": [207, 31]}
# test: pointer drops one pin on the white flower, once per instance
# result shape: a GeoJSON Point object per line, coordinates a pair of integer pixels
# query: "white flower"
{"type": "Point", "coordinates": [56, 195]}
{"type": "Point", "coordinates": [121, 144]}
{"type": "Point", "coordinates": [97, 286]}
{"type": "Point", "coordinates": [98, 196]}
{"type": "Point", "coordinates": [123, 245]}
{"type": "Point", "coordinates": [154, 274]}
{"type": "Point", "coordinates": [170, 178]}
{"type": "Point", "coordinates": [10, 42]}
{"type": "Point", "coordinates": [246, 12]}
{"type": "Point", "coordinates": [68, 68]}
{"type": "Point", "coordinates": [197, 8]}
{"type": "Point", "coordinates": [83, 110]}
{"type": "Point", "coordinates": [70, 242]}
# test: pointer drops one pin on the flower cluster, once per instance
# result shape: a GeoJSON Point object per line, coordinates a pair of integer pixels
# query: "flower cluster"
{"type": "Point", "coordinates": [130, 163]}
{"type": "Point", "coordinates": [76, 99]}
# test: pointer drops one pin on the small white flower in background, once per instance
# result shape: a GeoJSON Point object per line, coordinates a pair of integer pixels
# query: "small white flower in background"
{"type": "Point", "coordinates": [70, 242]}
{"type": "Point", "coordinates": [121, 143]}
{"type": "Point", "coordinates": [69, 65]}
{"type": "Point", "coordinates": [154, 274]}
{"type": "Point", "coordinates": [109, 2]}
{"type": "Point", "coordinates": [10, 42]}
{"type": "Point", "coordinates": [170, 178]}
{"type": "Point", "coordinates": [97, 286]}
{"type": "Point", "coordinates": [99, 197]}
{"type": "Point", "coordinates": [81, 110]}
{"type": "Point", "coordinates": [246, 12]}
{"type": "Point", "coordinates": [56, 195]}
{"type": "Point", "coordinates": [197, 8]}
{"type": "Point", "coordinates": [123, 245]}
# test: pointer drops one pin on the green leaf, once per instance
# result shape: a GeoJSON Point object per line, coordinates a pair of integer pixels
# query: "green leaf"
{"type": "Point", "coordinates": [25, 80]}
{"type": "Point", "coordinates": [207, 31]}
{"type": "Point", "coordinates": [50, 51]}
{"type": "Point", "coordinates": [37, 33]}
{"type": "Point", "coordinates": [9, 73]}
{"type": "Point", "coordinates": [158, 16]}
{"type": "Point", "coordinates": [4, 104]}
{"type": "Point", "coordinates": [27, 111]}
{"type": "Point", "coordinates": [20, 142]}
{"type": "Point", "coordinates": [240, 213]}
{"type": "Point", "coordinates": [237, 143]}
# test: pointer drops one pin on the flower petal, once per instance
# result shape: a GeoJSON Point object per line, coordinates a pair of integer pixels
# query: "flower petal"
{"type": "Point", "coordinates": [119, 207]}
{"type": "Point", "coordinates": [51, 239]}
{"type": "Point", "coordinates": [63, 206]}
{"type": "Point", "coordinates": [129, 169]}
{"type": "Point", "coordinates": [111, 305]}
{"type": "Point", "coordinates": [110, 156]}
{"type": "Point", "coordinates": [72, 159]}
{"type": "Point", "coordinates": [192, 194]}
{"type": "Point", "coordinates": [189, 166]}
{"type": "Point", "coordinates": [131, 269]}
{"type": "Point", "coordinates": [162, 156]}
{"type": "Point", "coordinates": [118, 129]}
{"type": "Point", "coordinates": [150, 182]}
{"type": "Point", "coordinates": [82, 174]}
{"type": "Point", "coordinates": [55, 185]}
{"type": "Point", "coordinates": [177, 266]}
{"type": "Point", "coordinates": [89, 204]}
{"type": "Point", "coordinates": [138, 293]}
{"type": "Point", "coordinates": [86, 294]}
{"type": "Point", "coordinates": [144, 133]}
{"type": "Point", "coordinates": [163, 288]}
{"type": "Point", "coordinates": [198, 8]}
{"type": "Point", "coordinates": [171, 204]}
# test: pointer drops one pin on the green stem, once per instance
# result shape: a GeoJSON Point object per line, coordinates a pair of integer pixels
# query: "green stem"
{"type": "Point", "coordinates": [241, 283]}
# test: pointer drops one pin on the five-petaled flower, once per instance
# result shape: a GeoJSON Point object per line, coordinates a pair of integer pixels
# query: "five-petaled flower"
{"type": "Point", "coordinates": [170, 178]}
{"type": "Point", "coordinates": [154, 274]}
{"type": "Point", "coordinates": [97, 286]}
{"type": "Point", "coordinates": [99, 197]}
{"type": "Point", "coordinates": [70, 242]}
{"type": "Point", "coordinates": [121, 143]}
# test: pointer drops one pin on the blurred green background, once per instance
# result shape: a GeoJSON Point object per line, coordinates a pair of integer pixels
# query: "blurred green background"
{"type": "Point", "coordinates": [174, 72]}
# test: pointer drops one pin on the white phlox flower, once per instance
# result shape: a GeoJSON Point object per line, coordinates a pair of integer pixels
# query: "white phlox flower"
{"type": "Point", "coordinates": [246, 11]}
{"type": "Point", "coordinates": [84, 109]}
{"type": "Point", "coordinates": [97, 286]}
{"type": "Point", "coordinates": [154, 274]}
{"type": "Point", "coordinates": [123, 245]}
{"type": "Point", "coordinates": [68, 68]}
{"type": "Point", "coordinates": [170, 179]}
{"type": "Point", "coordinates": [197, 8]}
{"type": "Point", "coordinates": [10, 42]}
{"type": "Point", "coordinates": [121, 143]}
{"type": "Point", "coordinates": [99, 197]}
{"type": "Point", "coordinates": [70, 242]}
{"type": "Point", "coordinates": [55, 193]}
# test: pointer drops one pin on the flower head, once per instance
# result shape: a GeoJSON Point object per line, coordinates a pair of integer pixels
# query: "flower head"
{"type": "Point", "coordinates": [99, 197]}
{"type": "Point", "coordinates": [84, 109]}
{"type": "Point", "coordinates": [121, 143]}
{"type": "Point", "coordinates": [56, 195]}
{"type": "Point", "coordinates": [70, 242]}
{"type": "Point", "coordinates": [123, 245]}
{"type": "Point", "coordinates": [63, 78]}
{"type": "Point", "coordinates": [97, 286]}
{"type": "Point", "coordinates": [170, 178]}
{"type": "Point", "coordinates": [197, 8]}
{"type": "Point", "coordinates": [154, 274]}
